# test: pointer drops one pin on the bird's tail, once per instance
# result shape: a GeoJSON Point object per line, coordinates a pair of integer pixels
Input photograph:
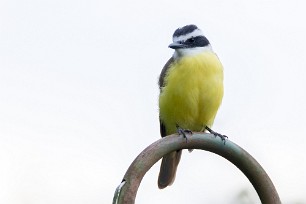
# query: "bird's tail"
{"type": "Point", "coordinates": [168, 169]}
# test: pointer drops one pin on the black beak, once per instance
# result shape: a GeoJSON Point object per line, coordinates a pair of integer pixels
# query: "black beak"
{"type": "Point", "coordinates": [177, 45]}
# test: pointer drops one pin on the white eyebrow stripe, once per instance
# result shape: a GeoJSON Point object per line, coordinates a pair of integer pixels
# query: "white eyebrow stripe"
{"type": "Point", "coordinates": [196, 32]}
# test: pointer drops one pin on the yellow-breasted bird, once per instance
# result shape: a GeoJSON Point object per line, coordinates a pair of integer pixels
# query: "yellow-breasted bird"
{"type": "Point", "coordinates": [191, 91]}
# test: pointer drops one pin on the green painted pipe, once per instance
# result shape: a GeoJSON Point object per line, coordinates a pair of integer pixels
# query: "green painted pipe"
{"type": "Point", "coordinates": [126, 191]}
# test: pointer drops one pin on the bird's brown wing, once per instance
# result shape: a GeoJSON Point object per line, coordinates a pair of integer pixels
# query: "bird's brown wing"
{"type": "Point", "coordinates": [170, 161]}
{"type": "Point", "coordinates": [161, 81]}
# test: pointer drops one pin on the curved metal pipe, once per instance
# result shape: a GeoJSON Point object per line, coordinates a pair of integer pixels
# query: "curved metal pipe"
{"type": "Point", "coordinates": [126, 191]}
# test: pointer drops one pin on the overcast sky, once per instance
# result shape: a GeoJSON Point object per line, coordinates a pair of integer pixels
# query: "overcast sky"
{"type": "Point", "coordinates": [79, 97]}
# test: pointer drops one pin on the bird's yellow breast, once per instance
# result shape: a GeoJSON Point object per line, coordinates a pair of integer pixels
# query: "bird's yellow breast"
{"type": "Point", "coordinates": [192, 93]}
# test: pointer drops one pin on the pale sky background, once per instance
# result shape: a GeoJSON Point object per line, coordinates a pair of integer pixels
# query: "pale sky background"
{"type": "Point", "coordinates": [79, 97]}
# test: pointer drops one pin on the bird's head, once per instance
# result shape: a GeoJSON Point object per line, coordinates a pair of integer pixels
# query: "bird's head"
{"type": "Point", "coordinates": [189, 40]}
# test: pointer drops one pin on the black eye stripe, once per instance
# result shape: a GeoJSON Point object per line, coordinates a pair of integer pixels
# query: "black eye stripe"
{"type": "Point", "coordinates": [191, 39]}
{"type": "Point", "coordinates": [197, 41]}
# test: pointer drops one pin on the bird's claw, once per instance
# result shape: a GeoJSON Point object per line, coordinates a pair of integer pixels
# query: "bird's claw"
{"type": "Point", "coordinates": [183, 132]}
{"type": "Point", "coordinates": [223, 137]}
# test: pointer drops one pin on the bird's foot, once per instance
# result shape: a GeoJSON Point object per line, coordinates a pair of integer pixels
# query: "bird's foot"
{"type": "Point", "coordinates": [223, 137]}
{"type": "Point", "coordinates": [183, 132]}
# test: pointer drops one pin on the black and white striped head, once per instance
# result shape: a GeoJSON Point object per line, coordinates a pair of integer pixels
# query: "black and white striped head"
{"type": "Point", "coordinates": [189, 40]}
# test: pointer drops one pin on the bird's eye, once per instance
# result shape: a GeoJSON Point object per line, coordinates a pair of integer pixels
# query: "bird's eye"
{"type": "Point", "coordinates": [191, 40]}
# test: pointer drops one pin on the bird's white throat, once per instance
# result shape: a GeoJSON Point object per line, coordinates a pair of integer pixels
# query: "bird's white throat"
{"type": "Point", "coordinates": [191, 51]}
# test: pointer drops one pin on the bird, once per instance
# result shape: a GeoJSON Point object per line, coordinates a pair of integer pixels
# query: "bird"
{"type": "Point", "coordinates": [191, 92]}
